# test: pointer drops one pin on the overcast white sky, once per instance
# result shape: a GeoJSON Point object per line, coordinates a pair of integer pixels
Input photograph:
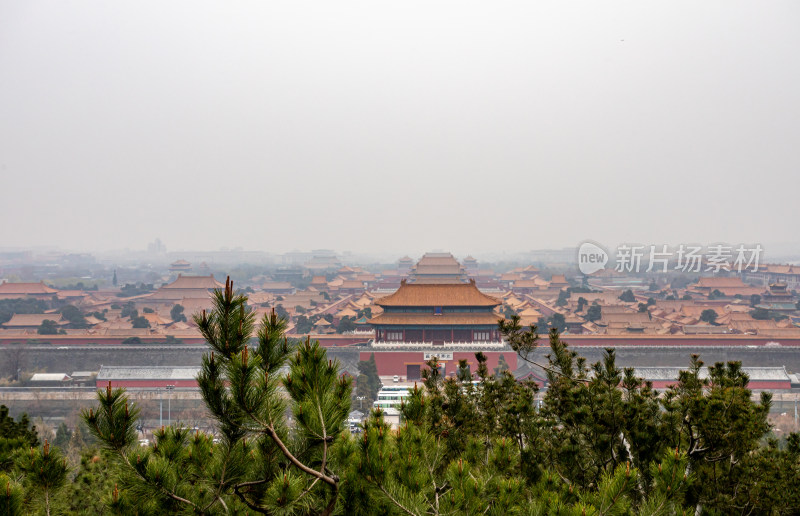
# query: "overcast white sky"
{"type": "Point", "coordinates": [398, 126]}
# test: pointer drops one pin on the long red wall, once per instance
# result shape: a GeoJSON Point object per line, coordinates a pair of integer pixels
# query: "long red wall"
{"type": "Point", "coordinates": [394, 362]}
{"type": "Point", "coordinates": [674, 340]}
{"type": "Point", "coordinates": [71, 340]}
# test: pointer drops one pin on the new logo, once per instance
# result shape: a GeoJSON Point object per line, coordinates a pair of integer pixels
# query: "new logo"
{"type": "Point", "coordinates": [591, 258]}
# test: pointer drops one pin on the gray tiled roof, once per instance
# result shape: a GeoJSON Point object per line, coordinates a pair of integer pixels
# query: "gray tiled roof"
{"type": "Point", "coordinates": [147, 373]}
{"type": "Point", "coordinates": [671, 373]}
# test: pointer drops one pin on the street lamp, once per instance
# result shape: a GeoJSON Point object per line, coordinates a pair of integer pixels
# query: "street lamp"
{"type": "Point", "coordinates": [169, 404]}
{"type": "Point", "coordinates": [361, 401]}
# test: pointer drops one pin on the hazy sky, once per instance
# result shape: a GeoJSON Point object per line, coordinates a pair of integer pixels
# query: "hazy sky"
{"type": "Point", "coordinates": [398, 126]}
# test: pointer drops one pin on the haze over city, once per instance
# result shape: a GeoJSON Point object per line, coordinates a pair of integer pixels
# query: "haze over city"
{"type": "Point", "coordinates": [464, 126]}
{"type": "Point", "coordinates": [399, 258]}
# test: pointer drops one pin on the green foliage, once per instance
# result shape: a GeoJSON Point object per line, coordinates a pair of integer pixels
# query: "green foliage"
{"type": "Point", "coordinates": [594, 313]}
{"type": "Point", "coordinates": [91, 489]}
{"type": "Point", "coordinates": [281, 311]}
{"type": "Point", "coordinates": [709, 315]}
{"type": "Point", "coordinates": [9, 307]}
{"type": "Point", "coordinates": [140, 322]}
{"type": "Point", "coordinates": [176, 313]}
{"type": "Point", "coordinates": [45, 473]}
{"type": "Point", "coordinates": [131, 289]}
{"type": "Point", "coordinates": [563, 296]}
{"type": "Point", "coordinates": [558, 322]}
{"type": "Point", "coordinates": [372, 382]}
{"type": "Point", "coordinates": [303, 325]}
{"type": "Point", "coordinates": [63, 436]}
{"type": "Point", "coordinates": [48, 327]}
{"type": "Point", "coordinates": [14, 435]}
{"type": "Point", "coordinates": [11, 496]}
{"type": "Point", "coordinates": [627, 296]}
{"type": "Point", "coordinates": [64, 285]}
{"type": "Point", "coordinates": [346, 324]}
{"type": "Point", "coordinates": [502, 365]}
{"type": "Point", "coordinates": [74, 315]}
{"type": "Point", "coordinates": [715, 294]}
{"type": "Point", "coordinates": [599, 440]}
{"type": "Point", "coordinates": [260, 464]}
{"type": "Point", "coordinates": [132, 340]}
{"type": "Point", "coordinates": [99, 315]}
{"type": "Point", "coordinates": [581, 304]}
{"type": "Point", "coordinates": [129, 310]}
{"type": "Point", "coordinates": [762, 314]}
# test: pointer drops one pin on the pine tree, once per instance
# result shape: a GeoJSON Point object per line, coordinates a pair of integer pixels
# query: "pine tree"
{"type": "Point", "coordinates": [369, 368]}
{"type": "Point", "coordinates": [11, 496]}
{"type": "Point", "coordinates": [45, 474]}
{"type": "Point", "coordinates": [262, 463]}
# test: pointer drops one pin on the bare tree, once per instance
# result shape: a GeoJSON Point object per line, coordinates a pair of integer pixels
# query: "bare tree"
{"type": "Point", "coordinates": [14, 360]}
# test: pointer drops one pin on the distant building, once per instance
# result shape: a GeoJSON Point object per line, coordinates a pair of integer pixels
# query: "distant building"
{"type": "Point", "coordinates": [184, 287]}
{"type": "Point", "coordinates": [471, 265]}
{"type": "Point", "coordinates": [279, 288]}
{"type": "Point", "coordinates": [438, 268]}
{"type": "Point", "coordinates": [322, 260]}
{"type": "Point", "coordinates": [50, 380]}
{"type": "Point", "coordinates": [27, 291]}
{"type": "Point", "coordinates": [778, 299]}
{"type": "Point", "coordinates": [729, 286]}
{"type": "Point", "coordinates": [773, 273]}
{"type": "Point", "coordinates": [144, 377]}
{"type": "Point", "coordinates": [156, 247]}
{"type": "Point", "coordinates": [30, 323]}
{"type": "Point", "coordinates": [437, 314]}
{"type": "Point", "coordinates": [289, 274]}
{"type": "Point", "coordinates": [319, 282]}
{"type": "Point", "coordinates": [180, 266]}
{"type": "Point", "coordinates": [404, 265]}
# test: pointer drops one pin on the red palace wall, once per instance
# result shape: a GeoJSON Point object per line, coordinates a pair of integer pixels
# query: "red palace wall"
{"type": "Point", "coordinates": [82, 340]}
{"type": "Point", "coordinates": [675, 340]}
{"type": "Point", "coordinates": [394, 362]}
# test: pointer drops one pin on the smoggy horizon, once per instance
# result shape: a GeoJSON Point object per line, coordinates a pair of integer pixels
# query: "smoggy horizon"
{"type": "Point", "coordinates": [398, 129]}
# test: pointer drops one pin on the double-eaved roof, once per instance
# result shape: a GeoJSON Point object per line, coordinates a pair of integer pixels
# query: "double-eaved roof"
{"type": "Point", "coordinates": [433, 295]}
{"type": "Point", "coordinates": [457, 319]}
